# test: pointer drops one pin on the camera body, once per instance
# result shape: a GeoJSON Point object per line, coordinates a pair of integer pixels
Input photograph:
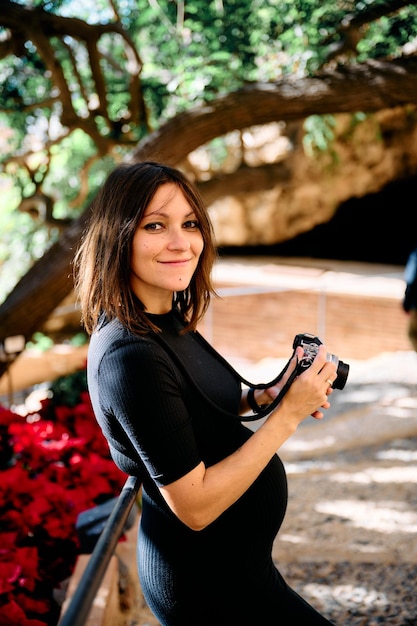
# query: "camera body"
{"type": "Point", "coordinates": [310, 345]}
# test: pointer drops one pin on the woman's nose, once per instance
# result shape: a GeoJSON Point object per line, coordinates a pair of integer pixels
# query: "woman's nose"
{"type": "Point", "coordinates": [178, 240]}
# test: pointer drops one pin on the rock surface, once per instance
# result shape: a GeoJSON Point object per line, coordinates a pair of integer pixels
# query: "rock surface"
{"type": "Point", "coordinates": [364, 154]}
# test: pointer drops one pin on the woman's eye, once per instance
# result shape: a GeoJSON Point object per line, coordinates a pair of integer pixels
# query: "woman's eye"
{"type": "Point", "coordinates": [154, 226]}
{"type": "Point", "coordinates": [191, 224]}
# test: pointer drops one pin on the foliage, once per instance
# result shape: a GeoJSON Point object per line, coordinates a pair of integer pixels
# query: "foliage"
{"type": "Point", "coordinates": [318, 133]}
{"type": "Point", "coordinates": [47, 461]}
{"type": "Point", "coordinates": [68, 114]}
{"type": "Point", "coordinates": [42, 343]}
{"type": "Point", "coordinates": [388, 36]}
{"type": "Point", "coordinates": [22, 240]}
{"type": "Point", "coordinates": [66, 390]}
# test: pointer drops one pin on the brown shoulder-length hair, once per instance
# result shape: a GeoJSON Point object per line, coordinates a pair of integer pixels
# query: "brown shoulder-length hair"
{"type": "Point", "coordinates": [103, 260]}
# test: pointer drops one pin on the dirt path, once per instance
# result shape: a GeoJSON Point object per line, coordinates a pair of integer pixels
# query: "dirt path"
{"type": "Point", "coordinates": [348, 541]}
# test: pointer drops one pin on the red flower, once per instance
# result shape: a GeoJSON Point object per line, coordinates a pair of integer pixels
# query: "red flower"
{"type": "Point", "coordinates": [32, 605]}
{"type": "Point", "coordinates": [12, 615]}
{"type": "Point", "coordinates": [8, 417]}
{"type": "Point", "coordinates": [18, 568]}
{"type": "Point", "coordinates": [56, 464]}
{"type": "Point", "coordinates": [7, 541]}
{"type": "Point", "coordinates": [9, 573]}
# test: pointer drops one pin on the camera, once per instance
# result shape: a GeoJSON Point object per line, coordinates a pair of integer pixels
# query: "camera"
{"type": "Point", "coordinates": [310, 345]}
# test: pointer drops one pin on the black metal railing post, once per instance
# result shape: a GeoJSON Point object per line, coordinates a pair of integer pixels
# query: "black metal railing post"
{"type": "Point", "coordinates": [81, 602]}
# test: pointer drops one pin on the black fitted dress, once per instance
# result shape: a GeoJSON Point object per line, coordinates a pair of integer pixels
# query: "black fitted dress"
{"type": "Point", "coordinates": [164, 402]}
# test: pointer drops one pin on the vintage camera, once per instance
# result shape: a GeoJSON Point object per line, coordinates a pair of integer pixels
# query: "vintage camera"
{"type": "Point", "coordinates": [310, 345]}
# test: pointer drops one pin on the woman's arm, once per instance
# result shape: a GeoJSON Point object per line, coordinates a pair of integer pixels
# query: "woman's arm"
{"type": "Point", "coordinates": [203, 494]}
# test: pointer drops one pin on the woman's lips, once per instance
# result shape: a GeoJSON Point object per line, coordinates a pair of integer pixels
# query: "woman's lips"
{"type": "Point", "coordinates": [176, 262]}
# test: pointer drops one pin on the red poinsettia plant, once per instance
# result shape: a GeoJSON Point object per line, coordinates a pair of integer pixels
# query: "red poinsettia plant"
{"type": "Point", "coordinates": [54, 464]}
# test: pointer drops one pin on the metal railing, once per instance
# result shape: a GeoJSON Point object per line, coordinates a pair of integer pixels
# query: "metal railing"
{"type": "Point", "coordinates": [80, 604]}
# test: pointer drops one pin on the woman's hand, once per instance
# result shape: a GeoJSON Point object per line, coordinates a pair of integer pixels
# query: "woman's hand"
{"type": "Point", "coordinates": [309, 391]}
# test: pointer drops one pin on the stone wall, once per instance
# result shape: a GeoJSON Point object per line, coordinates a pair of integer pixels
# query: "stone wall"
{"type": "Point", "coordinates": [260, 326]}
{"type": "Point", "coordinates": [356, 309]}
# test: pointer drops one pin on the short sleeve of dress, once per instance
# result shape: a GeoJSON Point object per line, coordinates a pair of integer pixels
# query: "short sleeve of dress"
{"type": "Point", "coordinates": [140, 400]}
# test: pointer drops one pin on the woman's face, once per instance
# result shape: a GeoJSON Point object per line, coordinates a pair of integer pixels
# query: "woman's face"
{"type": "Point", "coordinates": [166, 248]}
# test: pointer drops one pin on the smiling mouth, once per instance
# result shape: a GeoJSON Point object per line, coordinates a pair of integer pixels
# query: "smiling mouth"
{"type": "Point", "coordinates": [176, 262]}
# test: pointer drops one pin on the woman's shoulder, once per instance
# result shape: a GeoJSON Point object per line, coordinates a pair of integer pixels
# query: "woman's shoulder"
{"type": "Point", "coordinates": [111, 337]}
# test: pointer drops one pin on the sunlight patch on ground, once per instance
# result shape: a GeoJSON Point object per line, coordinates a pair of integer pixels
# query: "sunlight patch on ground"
{"type": "Point", "coordinates": [305, 446]}
{"type": "Point", "coordinates": [347, 596]}
{"type": "Point", "coordinates": [384, 517]}
{"type": "Point", "coordinates": [407, 402]}
{"type": "Point", "coordinates": [378, 475]}
{"type": "Point", "coordinates": [397, 411]}
{"type": "Point", "coordinates": [292, 538]}
{"type": "Point", "coordinates": [309, 466]}
{"type": "Point", "coordinates": [363, 395]}
{"type": "Point", "coordinates": [397, 455]}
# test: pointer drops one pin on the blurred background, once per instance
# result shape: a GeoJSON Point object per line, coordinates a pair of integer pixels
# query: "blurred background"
{"type": "Point", "coordinates": [297, 120]}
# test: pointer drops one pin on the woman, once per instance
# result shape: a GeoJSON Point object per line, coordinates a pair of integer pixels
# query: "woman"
{"type": "Point", "coordinates": [214, 492]}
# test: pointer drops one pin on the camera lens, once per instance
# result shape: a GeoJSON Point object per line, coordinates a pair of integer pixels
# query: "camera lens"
{"type": "Point", "coordinates": [342, 371]}
{"type": "Point", "coordinates": [342, 374]}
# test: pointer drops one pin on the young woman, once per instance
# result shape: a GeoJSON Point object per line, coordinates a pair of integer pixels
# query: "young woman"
{"type": "Point", "coordinates": [214, 491]}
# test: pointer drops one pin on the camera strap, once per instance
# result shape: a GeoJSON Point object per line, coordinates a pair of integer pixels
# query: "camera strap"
{"type": "Point", "coordinates": [257, 412]}
{"type": "Point", "coordinates": [265, 409]}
